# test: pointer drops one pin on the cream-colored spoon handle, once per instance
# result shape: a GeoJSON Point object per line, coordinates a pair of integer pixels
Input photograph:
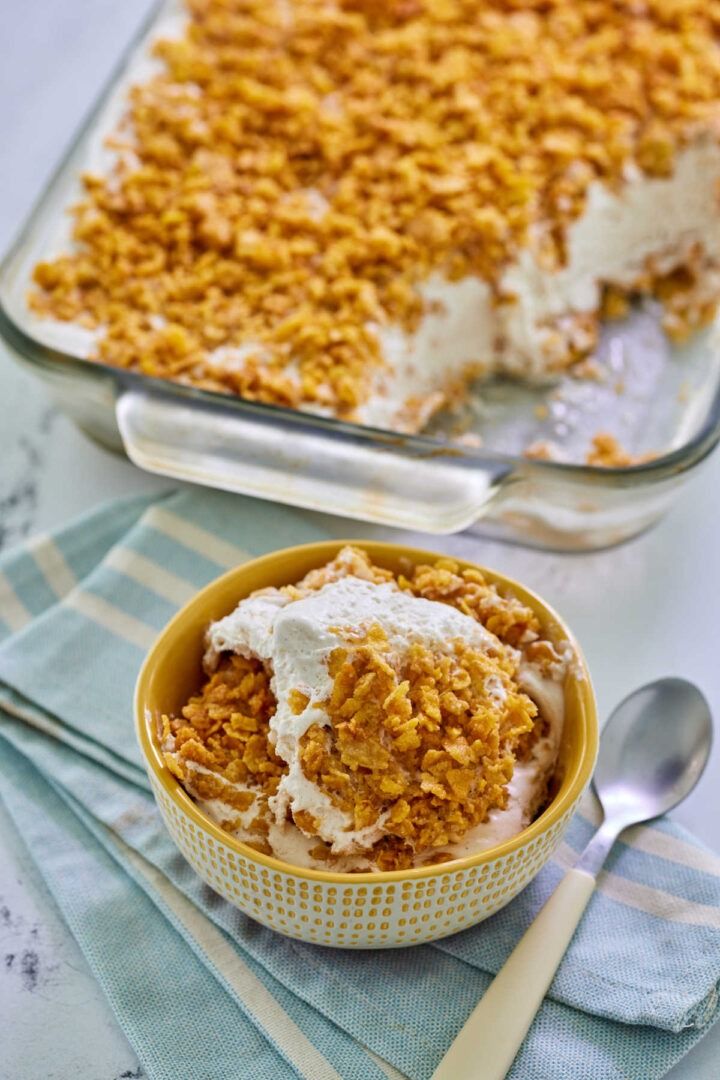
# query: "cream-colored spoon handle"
{"type": "Point", "coordinates": [495, 1029]}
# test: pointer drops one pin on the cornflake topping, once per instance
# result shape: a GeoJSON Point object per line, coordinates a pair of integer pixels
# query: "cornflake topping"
{"type": "Point", "coordinates": [219, 748]}
{"type": "Point", "coordinates": [428, 746]}
{"type": "Point", "coordinates": [299, 167]}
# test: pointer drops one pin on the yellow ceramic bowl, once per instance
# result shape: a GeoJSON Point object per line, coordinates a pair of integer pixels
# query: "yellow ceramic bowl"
{"type": "Point", "coordinates": [368, 910]}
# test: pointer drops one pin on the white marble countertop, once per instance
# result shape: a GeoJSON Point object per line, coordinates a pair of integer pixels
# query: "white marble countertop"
{"type": "Point", "coordinates": [641, 611]}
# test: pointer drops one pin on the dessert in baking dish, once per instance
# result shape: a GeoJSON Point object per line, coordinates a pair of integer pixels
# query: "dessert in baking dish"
{"type": "Point", "coordinates": [362, 721]}
{"type": "Point", "coordinates": [355, 207]}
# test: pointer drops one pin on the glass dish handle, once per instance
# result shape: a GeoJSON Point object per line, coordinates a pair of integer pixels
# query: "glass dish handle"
{"type": "Point", "coordinates": [388, 479]}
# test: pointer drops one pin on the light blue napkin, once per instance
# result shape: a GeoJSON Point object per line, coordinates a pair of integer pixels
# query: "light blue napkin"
{"type": "Point", "coordinates": [200, 989]}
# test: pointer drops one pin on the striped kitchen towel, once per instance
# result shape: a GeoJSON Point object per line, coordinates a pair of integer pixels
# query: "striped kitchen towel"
{"type": "Point", "coordinates": [200, 989]}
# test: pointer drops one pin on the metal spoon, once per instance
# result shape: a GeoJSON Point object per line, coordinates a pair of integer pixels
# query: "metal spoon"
{"type": "Point", "coordinates": [652, 753]}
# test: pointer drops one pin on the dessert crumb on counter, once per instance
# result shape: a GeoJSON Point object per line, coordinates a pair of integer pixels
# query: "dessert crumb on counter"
{"type": "Point", "coordinates": [543, 450]}
{"type": "Point", "coordinates": [607, 452]}
{"type": "Point", "coordinates": [590, 369]}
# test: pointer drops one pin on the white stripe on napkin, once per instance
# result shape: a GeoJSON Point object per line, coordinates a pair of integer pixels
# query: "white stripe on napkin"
{"type": "Point", "coordinates": [259, 1002]}
{"type": "Point", "coordinates": [111, 618]}
{"type": "Point", "coordinates": [193, 537]}
{"type": "Point", "coordinates": [663, 846]}
{"type": "Point", "coordinates": [150, 575]}
{"type": "Point", "coordinates": [657, 902]}
{"type": "Point", "coordinates": [390, 1071]}
{"type": "Point", "coordinates": [656, 842]}
{"type": "Point", "coordinates": [12, 610]}
{"type": "Point", "coordinates": [48, 725]}
{"type": "Point", "coordinates": [51, 562]}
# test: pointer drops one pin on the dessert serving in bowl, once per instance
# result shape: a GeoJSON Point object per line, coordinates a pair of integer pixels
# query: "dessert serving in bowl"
{"type": "Point", "coordinates": [366, 745]}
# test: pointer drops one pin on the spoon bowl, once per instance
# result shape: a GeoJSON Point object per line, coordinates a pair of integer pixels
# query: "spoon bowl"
{"type": "Point", "coordinates": [653, 751]}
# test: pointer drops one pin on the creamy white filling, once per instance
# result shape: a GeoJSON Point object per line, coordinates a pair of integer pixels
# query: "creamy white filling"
{"type": "Point", "coordinates": [458, 334]}
{"type": "Point", "coordinates": [216, 808]}
{"type": "Point", "coordinates": [611, 242]}
{"type": "Point", "coordinates": [248, 630]}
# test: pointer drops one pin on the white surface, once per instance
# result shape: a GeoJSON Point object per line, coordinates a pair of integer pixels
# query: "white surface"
{"type": "Point", "coordinates": [641, 611]}
{"type": "Point", "coordinates": [54, 1021]}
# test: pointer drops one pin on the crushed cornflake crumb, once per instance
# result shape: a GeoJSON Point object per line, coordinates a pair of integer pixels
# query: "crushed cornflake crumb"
{"type": "Point", "coordinates": [543, 450]}
{"type": "Point", "coordinates": [615, 303]}
{"type": "Point", "coordinates": [590, 370]}
{"type": "Point", "coordinates": [607, 452]}
{"type": "Point", "coordinates": [297, 169]}
{"type": "Point", "coordinates": [219, 748]}
{"type": "Point", "coordinates": [426, 746]}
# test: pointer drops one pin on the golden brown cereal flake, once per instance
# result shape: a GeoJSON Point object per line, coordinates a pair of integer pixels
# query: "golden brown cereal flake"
{"type": "Point", "coordinates": [542, 450]}
{"type": "Point", "coordinates": [349, 562]}
{"type": "Point", "coordinates": [505, 616]}
{"type": "Point", "coordinates": [298, 168]}
{"type": "Point", "coordinates": [607, 453]}
{"type": "Point", "coordinates": [224, 730]}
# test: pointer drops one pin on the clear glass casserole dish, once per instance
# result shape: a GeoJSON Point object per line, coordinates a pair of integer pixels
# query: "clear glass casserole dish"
{"type": "Point", "coordinates": [655, 399]}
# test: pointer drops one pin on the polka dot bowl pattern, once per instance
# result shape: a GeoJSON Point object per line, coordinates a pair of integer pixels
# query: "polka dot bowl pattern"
{"type": "Point", "coordinates": [369, 910]}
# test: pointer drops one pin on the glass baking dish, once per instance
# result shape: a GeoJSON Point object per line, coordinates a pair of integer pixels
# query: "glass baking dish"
{"type": "Point", "coordinates": [656, 399]}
